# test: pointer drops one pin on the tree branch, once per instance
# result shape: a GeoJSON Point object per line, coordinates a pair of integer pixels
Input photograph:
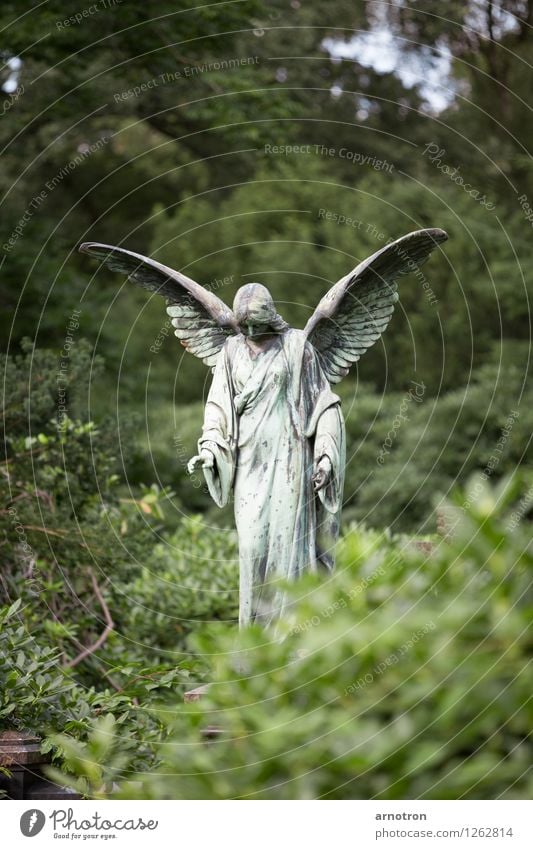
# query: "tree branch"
{"type": "Point", "coordinates": [105, 633]}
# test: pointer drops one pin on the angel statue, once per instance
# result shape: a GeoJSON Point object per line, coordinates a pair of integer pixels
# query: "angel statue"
{"type": "Point", "coordinates": [273, 430]}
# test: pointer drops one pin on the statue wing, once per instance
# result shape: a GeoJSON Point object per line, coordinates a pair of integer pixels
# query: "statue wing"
{"type": "Point", "coordinates": [351, 317]}
{"type": "Point", "coordinates": [202, 321]}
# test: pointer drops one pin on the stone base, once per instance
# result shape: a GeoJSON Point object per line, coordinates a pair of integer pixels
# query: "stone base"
{"type": "Point", "coordinates": [42, 788]}
{"type": "Point", "coordinates": [20, 755]}
{"type": "Point", "coordinates": [211, 732]}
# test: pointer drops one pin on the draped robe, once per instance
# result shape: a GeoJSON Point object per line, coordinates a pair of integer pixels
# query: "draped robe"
{"type": "Point", "coordinates": [269, 417]}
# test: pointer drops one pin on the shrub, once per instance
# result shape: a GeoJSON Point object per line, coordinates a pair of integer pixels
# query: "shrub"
{"type": "Point", "coordinates": [403, 676]}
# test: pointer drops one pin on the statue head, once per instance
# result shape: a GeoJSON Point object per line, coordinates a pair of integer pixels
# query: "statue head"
{"type": "Point", "coordinates": [255, 312]}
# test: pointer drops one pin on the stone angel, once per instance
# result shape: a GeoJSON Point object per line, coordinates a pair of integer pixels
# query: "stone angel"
{"type": "Point", "coordinates": [273, 432]}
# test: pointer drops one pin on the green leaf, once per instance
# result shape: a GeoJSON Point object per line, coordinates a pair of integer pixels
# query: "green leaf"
{"type": "Point", "coordinates": [13, 608]}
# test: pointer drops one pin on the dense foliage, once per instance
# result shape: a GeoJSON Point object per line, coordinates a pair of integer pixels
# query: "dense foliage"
{"type": "Point", "coordinates": [404, 676]}
{"type": "Point", "coordinates": [94, 628]}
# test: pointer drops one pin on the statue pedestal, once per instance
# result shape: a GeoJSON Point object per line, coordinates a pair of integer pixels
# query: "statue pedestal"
{"type": "Point", "coordinates": [20, 754]}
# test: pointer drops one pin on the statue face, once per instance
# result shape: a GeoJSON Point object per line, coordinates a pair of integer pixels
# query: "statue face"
{"type": "Point", "coordinates": [255, 312]}
{"type": "Point", "coordinates": [253, 330]}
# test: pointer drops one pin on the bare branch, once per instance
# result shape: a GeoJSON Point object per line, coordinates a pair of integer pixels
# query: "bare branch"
{"type": "Point", "coordinates": [105, 633]}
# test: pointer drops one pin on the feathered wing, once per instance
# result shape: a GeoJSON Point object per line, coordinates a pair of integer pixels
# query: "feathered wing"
{"type": "Point", "coordinates": [202, 321]}
{"type": "Point", "coordinates": [351, 317]}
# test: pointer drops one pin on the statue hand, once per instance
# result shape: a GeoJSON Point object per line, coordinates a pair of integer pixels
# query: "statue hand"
{"type": "Point", "coordinates": [205, 460]}
{"type": "Point", "coordinates": [322, 473]}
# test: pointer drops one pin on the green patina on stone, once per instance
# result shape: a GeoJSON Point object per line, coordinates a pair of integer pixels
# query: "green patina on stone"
{"type": "Point", "coordinates": [273, 434]}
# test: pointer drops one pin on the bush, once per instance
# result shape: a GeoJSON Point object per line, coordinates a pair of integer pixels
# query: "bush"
{"type": "Point", "coordinates": [39, 695]}
{"type": "Point", "coordinates": [77, 540]}
{"type": "Point", "coordinates": [404, 676]}
{"type": "Point", "coordinates": [191, 579]}
{"type": "Point", "coordinates": [399, 469]}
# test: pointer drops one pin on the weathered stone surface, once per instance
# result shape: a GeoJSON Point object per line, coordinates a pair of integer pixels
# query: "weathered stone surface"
{"type": "Point", "coordinates": [18, 748]}
{"type": "Point", "coordinates": [273, 434]}
{"type": "Point", "coordinates": [20, 754]}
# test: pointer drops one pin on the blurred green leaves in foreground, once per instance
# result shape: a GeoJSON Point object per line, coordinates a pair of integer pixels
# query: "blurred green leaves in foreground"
{"type": "Point", "coordinates": [404, 675]}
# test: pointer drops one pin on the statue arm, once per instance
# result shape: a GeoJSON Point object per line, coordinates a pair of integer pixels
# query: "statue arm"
{"type": "Point", "coordinates": [218, 434]}
{"type": "Point", "coordinates": [329, 458]}
{"type": "Point", "coordinates": [325, 427]}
